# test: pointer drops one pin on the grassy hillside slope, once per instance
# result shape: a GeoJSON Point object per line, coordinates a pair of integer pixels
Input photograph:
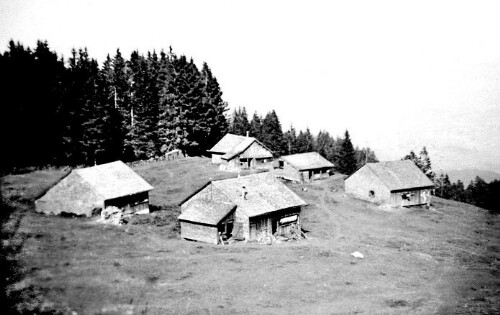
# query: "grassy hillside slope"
{"type": "Point", "coordinates": [419, 261]}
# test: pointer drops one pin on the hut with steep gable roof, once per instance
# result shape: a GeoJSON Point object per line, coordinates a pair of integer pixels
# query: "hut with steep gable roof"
{"type": "Point", "coordinates": [396, 183]}
{"type": "Point", "coordinates": [235, 152]}
{"type": "Point", "coordinates": [86, 191]}
{"type": "Point", "coordinates": [246, 206]}
{"type": "Point", "coordinates": [303, 167]}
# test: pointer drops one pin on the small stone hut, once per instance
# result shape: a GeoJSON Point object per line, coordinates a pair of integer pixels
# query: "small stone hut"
{"type": "Point", "coordinates": [235, 152]}
{"type": "Point", "coordinates": [396, 183]}
{"type": "Point", "coordinates": [304, 167]}
{"type": "Point", "coordinates": [88, 190]}
{"type": "Point", "coordinates": [244, 207]}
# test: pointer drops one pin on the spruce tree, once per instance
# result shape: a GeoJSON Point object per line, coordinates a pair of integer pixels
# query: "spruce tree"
{"type": "Point", "coordinates": [114, 121]}
{"type": "Point", "coordinates": [347, 163]}
{"type": "Point", "coordinates": [80, 131]}
{"type": "Point", "coordinates": [33, 88]}
{"type": "Point", "coordinates": [256, 127]}
{"type": "Point", "coordinates": [290, 138]}
{"type": "Point", "coordinates": [305, 141]}
{"type": "Point", "coordinates": [239, 124]}
{"type": "Point", "coordinates": [423, 162]}
{"type": "Point", "coordinates": [137, 97]}
{"type": "Point", "coordinates": [325, 145]}
{"type": "Point", "coordinates": [214, 107]}
{"type": "Point", "coordinates": [272, 134]}
{"type": "Point", "coordinates": [168, 89]}
{"type": "Point", "coordinates": [365, 155]}
{"type": "Point", "coordinates": [122, 84]}
{"type": "Point", "coordinates": [186, 110]}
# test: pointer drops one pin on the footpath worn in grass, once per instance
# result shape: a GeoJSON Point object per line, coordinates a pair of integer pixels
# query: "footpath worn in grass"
{"type": "Point", "coordinates": [441, 260]}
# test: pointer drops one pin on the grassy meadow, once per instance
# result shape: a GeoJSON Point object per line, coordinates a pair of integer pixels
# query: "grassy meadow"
{"type": "Point", "coordinates": [442, 260]}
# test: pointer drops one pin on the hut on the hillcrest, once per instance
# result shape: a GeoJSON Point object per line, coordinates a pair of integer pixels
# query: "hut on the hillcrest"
{"type": "Point", "coordinates": [397, 183]}
{"type": "Point", "coordinates": [235, 152]}
{"type": "Point", "coordinates": [246, 207]}
{"type": "Point", "coordinates": [86, 191]}
{"type": "Point", "coordinates": [303, 167]}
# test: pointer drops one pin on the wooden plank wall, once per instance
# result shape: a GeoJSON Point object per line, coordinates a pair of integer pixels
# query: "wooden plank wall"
{"type": "Point", "coordinates": [198, 232]}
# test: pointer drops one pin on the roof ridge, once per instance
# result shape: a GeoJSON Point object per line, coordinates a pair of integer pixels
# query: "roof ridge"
{"type": "Point", "coordinates": [224, 193]}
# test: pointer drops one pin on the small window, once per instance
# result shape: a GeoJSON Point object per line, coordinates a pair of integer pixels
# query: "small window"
{"type": "Point", "coordinates": [371, 194]}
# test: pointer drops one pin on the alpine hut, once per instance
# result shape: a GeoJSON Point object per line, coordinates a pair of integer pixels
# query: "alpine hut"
{"type": "Point", "coordinates": [235, 152]}
{"type": "Point", "coordinates": [397, 183]}
{"type": "Point", "coordinates": [246, 207]}
{"type": "Point", "coordinates": [86, 191]}
{"type": "Point", "coordinates": [303, 167]}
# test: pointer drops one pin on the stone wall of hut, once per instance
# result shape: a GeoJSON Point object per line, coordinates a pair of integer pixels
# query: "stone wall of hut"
{"type": "Point", "coordinates": [366, 186]}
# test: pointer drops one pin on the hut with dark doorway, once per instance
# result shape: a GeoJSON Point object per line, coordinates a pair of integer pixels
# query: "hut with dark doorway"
{"type": "Point", "coordinates": [395, 183]}
{"type": "Point", "coordinates": [86, 191]}
{"type": "Point", "coordinates": [235, 153]}
{"type": "Point", "coordinates": [262, 205]}
{"type": "Point", "coordinates": [303, 167]}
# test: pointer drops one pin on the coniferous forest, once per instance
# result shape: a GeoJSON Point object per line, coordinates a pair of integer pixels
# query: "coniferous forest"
{"type": "Point", "coordinates": [75, 112]}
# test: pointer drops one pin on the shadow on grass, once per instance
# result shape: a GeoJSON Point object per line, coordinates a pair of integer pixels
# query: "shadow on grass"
{"type": "Point", "coordinates": [16, 298]}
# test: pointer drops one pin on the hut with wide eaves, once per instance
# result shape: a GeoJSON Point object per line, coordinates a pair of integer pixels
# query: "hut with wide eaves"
{"type": "Point", "coordinates": [235, 152]}
{"type": "Point", "coordinates": [86, 191]}
{"type": "Point", "coordinates": [396, 183]}
{"type": "Point", "coordinates": [303, 167]}
{"type": "Point", "coordinates": [245, 207]}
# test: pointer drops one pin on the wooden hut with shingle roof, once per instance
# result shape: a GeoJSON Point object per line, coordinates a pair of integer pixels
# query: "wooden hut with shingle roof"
{"type": "Point", "coordinates": [397, 183]}
{"type": "Point", "coordinates": [202, 220]}
{"type": "Point", "coordinates": [88, 190]}
{"type": "Point", "coordinates": [303, 167]}
{"type": "Point", "coordinates": [242, 207]}
{"type": "Point", "coordinates": [235, 152]}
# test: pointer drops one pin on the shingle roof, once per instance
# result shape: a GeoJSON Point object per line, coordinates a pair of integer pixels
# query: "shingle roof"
{"type": "Point", "coordinates": [400, 175]}
{"type": "Point", "coordinates": [113, 180]}
{"type": "Point", "coordinates": [206, 211]}
{"type": "Point", "coordinates": [307, 161]}
{"type": "Point", "coordinates": [264, 194]}
{"type": "Point", "coordinates": [232, 145]}
{"type": "Point", "coordinates": [227, 143]}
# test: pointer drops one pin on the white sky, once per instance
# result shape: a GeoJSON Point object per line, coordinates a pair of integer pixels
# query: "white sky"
{"type": "Point", "coordinates": [397, 74]}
